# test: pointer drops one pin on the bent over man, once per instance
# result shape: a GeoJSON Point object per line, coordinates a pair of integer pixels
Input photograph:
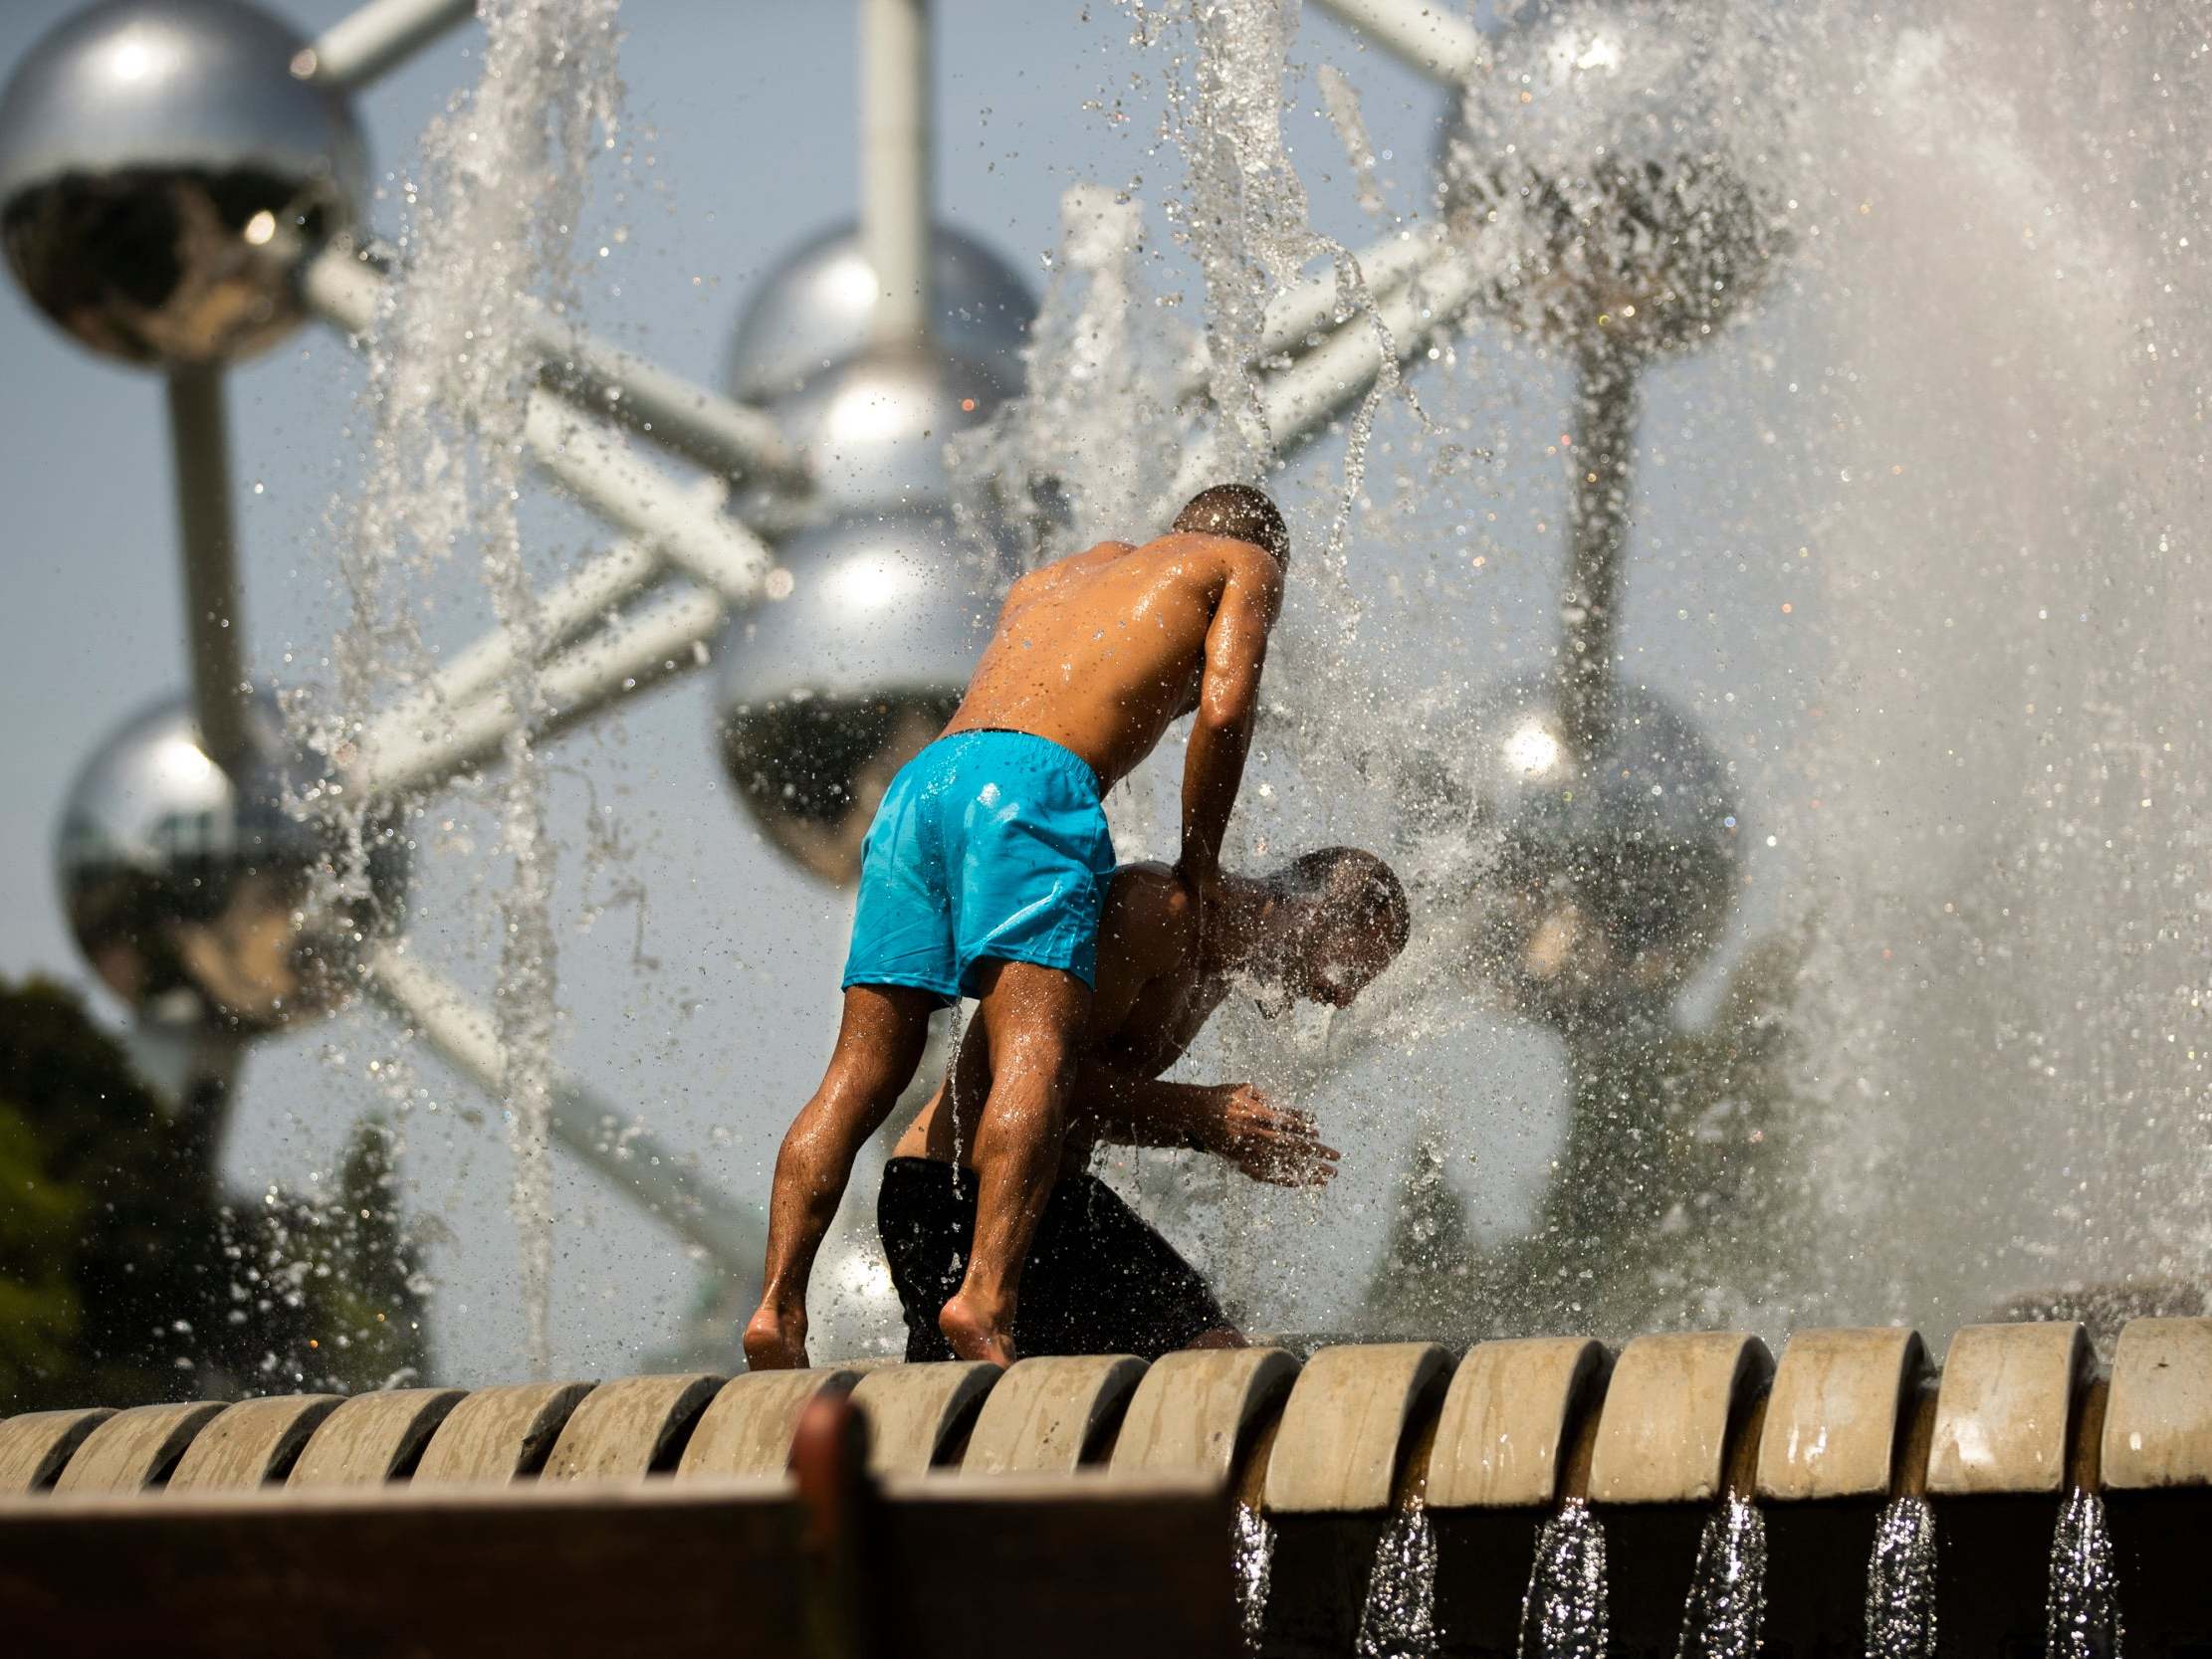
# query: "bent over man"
{"type": "Point", "coordinates": [1099, 1279]}
{"type": "Point", "coordinates": [986, 866]}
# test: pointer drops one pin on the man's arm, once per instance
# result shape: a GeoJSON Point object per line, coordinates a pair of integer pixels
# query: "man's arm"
{"type": "Point", "coordinates": [1228, 699]}
{"type": "Point", "coordinates": [1229, 1121]}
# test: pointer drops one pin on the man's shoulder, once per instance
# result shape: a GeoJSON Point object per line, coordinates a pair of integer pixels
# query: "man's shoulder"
{"type": "Point", "coordinates": [1098, 554]}
{"type": "Point", "coordinates": [1216, 556]}
{"type": "Point", "coordinates": [1197, 559]}
{"type": "Point", "coordinates": [1153, 911]}
{"type": "Point", "coordinates": [1047, 576]}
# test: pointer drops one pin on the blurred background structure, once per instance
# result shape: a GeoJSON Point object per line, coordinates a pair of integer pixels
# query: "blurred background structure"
{"type": "Point", "coordinates": [1606, 330]}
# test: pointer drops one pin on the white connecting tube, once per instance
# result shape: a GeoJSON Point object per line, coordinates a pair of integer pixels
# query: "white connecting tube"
{"type": "Point", "coordinates": [368, 44]}
{"type": "Point", "coordinates": [608, 1142]}
{"type": "Point", "coordinates": [1431, 36]}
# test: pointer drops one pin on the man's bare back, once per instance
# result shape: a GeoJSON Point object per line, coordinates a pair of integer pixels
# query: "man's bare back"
{"type": "Point", "coordinates": [1101, 651]}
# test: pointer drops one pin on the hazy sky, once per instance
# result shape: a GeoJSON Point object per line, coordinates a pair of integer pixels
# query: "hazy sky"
{"type": "Point", "coordinates": [712, 1020]}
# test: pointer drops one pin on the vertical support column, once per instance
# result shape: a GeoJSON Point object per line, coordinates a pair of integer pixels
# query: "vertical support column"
{"type": "Point", "coordinates": [895, 165]}
{"type": "Point", "coordinates": [1596, 541]}
{"type": "Point", "coordinates": [199, 439]}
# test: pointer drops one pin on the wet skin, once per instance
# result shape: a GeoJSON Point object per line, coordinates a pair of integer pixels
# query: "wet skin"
{"type": "Point", "coordinates": [1159, 979]}
{"type": "Point", "coordinates": [1098, 653]}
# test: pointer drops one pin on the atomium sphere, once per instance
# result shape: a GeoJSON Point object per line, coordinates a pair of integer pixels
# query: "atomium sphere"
{"type": "Point", "coordinates": [201, 898]}
{"type": "Point", "coordinates": [1618, 172]}
{"type": "Point", "coordinates": [1610, 877]}
{"type": "Point", "coordinates": [162, 171]}
{"type": "Point", "coordinates": [853, 1307]}
{"type": "Point", "coordinates": [814, 311]}
{"type": "Point", "coordinates": [874, 428]}
{"type": "Point", "coordinates": [827, 692]}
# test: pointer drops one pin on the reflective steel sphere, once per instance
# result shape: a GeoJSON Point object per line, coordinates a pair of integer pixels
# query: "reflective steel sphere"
{"type": "Point", "coordinates": [826, 693]}
{"type": "Point", "coordinates": [874, 429]}
{"type": "Point", "coordinates": [813, 311]}
{"type": "Point", "coordinates": [162, 173]}
{"type": "Point", "coordinates": [201, 898]}
{"type": "Point", "coordinates": [1610, 880]}
{"type": "Point", "coordinates": [1617, 170]}
{"type": "Point", "coordinates": [853, 1307]}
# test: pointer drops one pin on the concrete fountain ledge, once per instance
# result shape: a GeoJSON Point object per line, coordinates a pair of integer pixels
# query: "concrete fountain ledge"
{"type": "Point", "coordinates": [1488, 1442]}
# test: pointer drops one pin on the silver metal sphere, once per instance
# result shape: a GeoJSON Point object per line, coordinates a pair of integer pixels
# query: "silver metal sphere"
{"type": "Point", "coordinates": [200, 898]}
{"type": "Point", "coordinates": [853, 1307]}
{"type": "Point", "coordinates": [1611, 878]}
{"type": "Point", "coordinates": [814, 309]}
{"type": "Point", "coordinates": [826, 693]}
{"type": "Point", "coordinates": [873, 429]}
{"type": "Point", "coordinates": [1617, 172]}
{"type": "Point", "coordinates": [162, 173]}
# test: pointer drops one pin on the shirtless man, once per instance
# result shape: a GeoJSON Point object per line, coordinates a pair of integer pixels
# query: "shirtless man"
{"type": "Point", "coordinates": [988, 864]}
{"type": "Point", "coordinates": [1099, 1280]}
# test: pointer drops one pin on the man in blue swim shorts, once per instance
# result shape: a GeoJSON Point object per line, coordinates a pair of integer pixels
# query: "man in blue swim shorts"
{"type": "Point", "coordinates": [988, 864]}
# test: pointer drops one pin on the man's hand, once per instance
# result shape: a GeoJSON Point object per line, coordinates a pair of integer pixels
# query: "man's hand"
{"type": "Point", "coordinates": [1269, 1142]}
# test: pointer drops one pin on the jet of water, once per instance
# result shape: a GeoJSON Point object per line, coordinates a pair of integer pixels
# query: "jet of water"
{"type": "Point", "coordinates": [2082, 1618]}
{"type": "Point", "coordinates": [1900, 1582]}
{"type": "Point", "coordinates": [1398, 1618]}
{"type": "Point", "coordinates": [1253, 1556]}
{"type": "Point", "coordinates": [1729, 1592]}
{"type": "Point", "coordinates": [1564, 1615]}
{"type": "Point", "coordinates": [451, 368]}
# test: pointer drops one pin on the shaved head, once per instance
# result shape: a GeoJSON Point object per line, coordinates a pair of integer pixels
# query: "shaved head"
{"type": "Point", "coordinates": [1242, 513]}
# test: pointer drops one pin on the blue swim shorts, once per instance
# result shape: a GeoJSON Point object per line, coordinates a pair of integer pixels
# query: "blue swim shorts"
{"type": "Point", "coordinates": [989, 845]}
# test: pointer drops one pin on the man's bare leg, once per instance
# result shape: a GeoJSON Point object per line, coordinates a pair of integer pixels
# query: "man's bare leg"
{"type": "Point", "coordinates": [1032, 1018]}
{"type": "Point", "coordinates": [879, 1043]}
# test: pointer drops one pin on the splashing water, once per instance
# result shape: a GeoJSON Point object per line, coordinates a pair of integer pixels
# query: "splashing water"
{"type": "Point", "coordinates": [502, 188]}
{"type": "Point", "coordinates": [1900, 1582]}
{"type": "Point", "coordinates": [1254, 1559]}
{"type": "Point", "coordinates": [1913, 538]}
{"type": "Point", "coordinates": [1728, 1591]}
{"type": "Point", "coordinates": [1093, 429]}
{"type": "Point", "coordinates": [2082, 1620]}
{"type": "Point", "coordinates": [1245, 217]}
{"type": "Point", "coordinates": [1398, 1618]}
{"type": "Point", "coordinates": [1090, 453]}
{"type": "Point", "coordinates": [1342, 100]}
{"type": "Point", "coordinates": [1564, 1613]}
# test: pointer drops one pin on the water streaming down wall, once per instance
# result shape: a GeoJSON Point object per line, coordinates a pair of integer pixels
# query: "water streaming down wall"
{"type": "Point", "coordinates": [487, 221]}
{"type": "Point", "coordinates": [1900, 1582]}
{"type": "Point", "coordinates": [1398, 1620]}
{"type": "Point", "coordinates": [2083, 1621]}
{"type": "Point", "coordinates": [1252, 1561]}
{"type": "Point", "coordinates": [1564, 1615]}
{"type": "Point", "coordinates": [1726, 1606]}
{"type": "Point", "coordinates": [1323, 1459]}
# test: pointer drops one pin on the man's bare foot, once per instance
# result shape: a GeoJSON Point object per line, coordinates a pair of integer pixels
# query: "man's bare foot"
{"type": "Point", "coordinates": [775, 1339]}
{"type": "Point", "coordinates": [973, 1334]}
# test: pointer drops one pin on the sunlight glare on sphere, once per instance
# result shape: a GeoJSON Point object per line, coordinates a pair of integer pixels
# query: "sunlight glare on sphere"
{"type": "Point", "coordinates": [1616, 173]}
{"type": "Point", "coordinates": [151, 151]}
{"type": "Point", "coordinates": [1612, 877]}
{"type": "Point", "coordinates": [874, 428]}
{"type": "Point", "coordinates": [826, 694]}
{"type": "Point", "coordinates": [199, 901]}
{"type": "Point", "coordinates": [813, 310]}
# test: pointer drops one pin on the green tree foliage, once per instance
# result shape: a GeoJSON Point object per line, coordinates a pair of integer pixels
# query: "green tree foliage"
{"type": "Point", "coordinates": [126, 1277]}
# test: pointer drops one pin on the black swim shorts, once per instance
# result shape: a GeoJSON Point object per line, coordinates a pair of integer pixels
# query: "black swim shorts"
{"type": "Point", "coordinates": [1099, 1280]}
